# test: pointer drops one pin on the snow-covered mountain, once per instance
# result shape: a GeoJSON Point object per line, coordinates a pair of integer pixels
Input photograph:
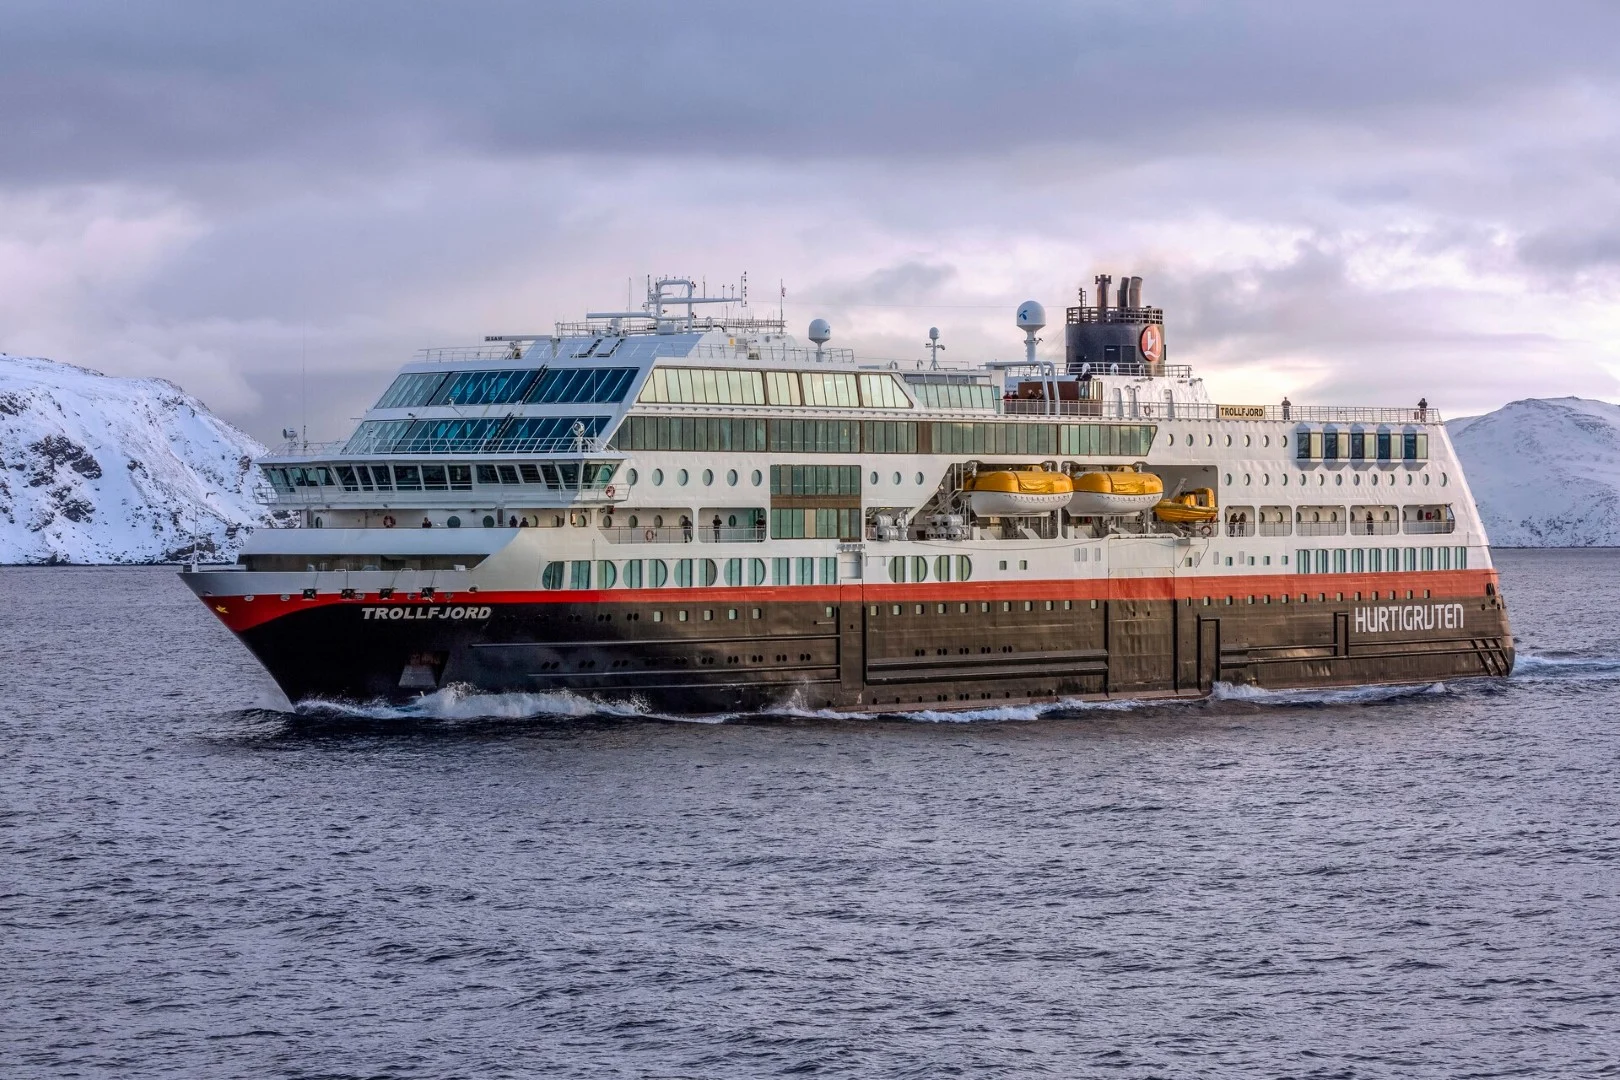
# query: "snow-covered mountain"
{"type": "Point", "coordinates": [1545, 471]}
{"type": "Point", "coordinates": [96, 469]}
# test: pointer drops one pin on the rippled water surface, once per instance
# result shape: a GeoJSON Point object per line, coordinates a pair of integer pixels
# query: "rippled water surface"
{"type": "Point", "coordinates": [194, 882]}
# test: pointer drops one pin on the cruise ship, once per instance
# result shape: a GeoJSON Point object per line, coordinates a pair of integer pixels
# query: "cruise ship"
{"type": "Point", "coordinates": [683, 508]}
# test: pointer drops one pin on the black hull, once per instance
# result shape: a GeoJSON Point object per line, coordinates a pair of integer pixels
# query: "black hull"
{"type": "Point", "coordinates": [731, 655]}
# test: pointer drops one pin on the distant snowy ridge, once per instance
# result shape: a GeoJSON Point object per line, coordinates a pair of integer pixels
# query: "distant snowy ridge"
{"type": "Point", "coordinates": [95, 469]}
{"type": "Point", "coordinates": [1545, 471]}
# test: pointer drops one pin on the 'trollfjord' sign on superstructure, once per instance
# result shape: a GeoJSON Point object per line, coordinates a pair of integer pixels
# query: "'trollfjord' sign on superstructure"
{"type": "Point", "coordinates": [700, 514]}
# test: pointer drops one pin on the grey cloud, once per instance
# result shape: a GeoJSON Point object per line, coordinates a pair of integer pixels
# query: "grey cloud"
{"type": "Point", "coordinates": [89, 91]}
{"type": "Point", "coordinates": [1572, 250]}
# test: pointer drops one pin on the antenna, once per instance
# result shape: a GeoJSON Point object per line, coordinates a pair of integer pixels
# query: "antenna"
{"type": "Point", "coordinates": [934, 346]}
{"type": "Point", "coordinates": [303, 382]}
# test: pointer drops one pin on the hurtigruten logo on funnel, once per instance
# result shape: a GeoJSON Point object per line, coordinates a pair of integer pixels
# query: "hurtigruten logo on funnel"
{"type": "Point", "coordinates": [1392, 618]}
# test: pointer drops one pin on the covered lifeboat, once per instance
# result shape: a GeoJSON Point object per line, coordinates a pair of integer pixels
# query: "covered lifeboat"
{"type": "Point", "coordinates": [1193, 507]}
{"type": "Point", "coordinates": [1017, 492]}
{"type": "Point", "coordinates": [1114, 492]}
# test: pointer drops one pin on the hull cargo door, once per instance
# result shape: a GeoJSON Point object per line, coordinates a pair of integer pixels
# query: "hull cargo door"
{"type": "Point", "coordinates": [1209, 653]}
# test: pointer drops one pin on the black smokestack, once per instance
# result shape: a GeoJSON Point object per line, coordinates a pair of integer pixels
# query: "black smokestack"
{"type": "Point", "coordinates": [1103, 281]}
{"type": "Point", "coordinates": [1136, 292]}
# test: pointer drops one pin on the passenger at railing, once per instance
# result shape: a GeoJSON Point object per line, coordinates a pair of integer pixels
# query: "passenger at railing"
{"type": "Point", "coordinates": [717, 528]}
{"type": "Point", "coordinates": [427, 523]}
{"type": "Point", "coordinates": [1287, 406]}
{"type": "Point", "coordinates": [1369, 523]}
{"type": "Point", "coordinates": [686, 529]}
{"type": "Point", "coordinates": [1423, 408]}
{"type": "Point", "coordinates": [512, 522]}
{"type": "Point", "coordinates": [524, 524]}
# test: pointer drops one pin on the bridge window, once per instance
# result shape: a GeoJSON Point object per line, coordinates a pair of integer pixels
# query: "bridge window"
{"type": "Point", "coordinates": [412, 390]}
{"type": "Point", "coordinates": [577, 386]}
{"type": "Point", "coordinates": [485, 387]}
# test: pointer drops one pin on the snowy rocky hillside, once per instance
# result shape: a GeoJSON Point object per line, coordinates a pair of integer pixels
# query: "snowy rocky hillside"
{"type": "Point", "coordinates": [1545, 471]}
{"type": "Point", "coordinates": [102, 470]}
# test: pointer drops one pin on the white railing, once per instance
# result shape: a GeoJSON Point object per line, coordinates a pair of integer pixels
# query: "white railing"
{"type": "Point", "coordinates": [1110, 409]}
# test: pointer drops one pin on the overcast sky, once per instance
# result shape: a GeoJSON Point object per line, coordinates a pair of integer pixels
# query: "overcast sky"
{"type": "Point", "coordinates": [1352, 203]}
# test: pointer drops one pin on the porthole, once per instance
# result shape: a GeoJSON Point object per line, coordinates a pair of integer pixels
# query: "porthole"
{"type": "Point", "coordinates": [1358, 480]}
{"type": "Point", "coordinates": [1284, 479]}
{"type": "Point", "coordinates": [1303, 479]}
{"type": "Point", "coordinates": [1320, 480]}
{"type": "Point", "coordinates": [896, 478]}
{"type": "Point", "coordinates": [1209, 440]}
{"type": "Point", "coordinates": [873, 479]}
{"type": "Point", "coordinates": [1265, 440]}
{"type": "Point", "coordinates": [708, 477]}
{"type": "Point", "coordinates": [1265, 479]}
{"type": "Point", "coordinates": [631, 477]}
{"type": "Point", "coordinates": [1229, 440]}
{"type": "Point", "coordinates": [452, 522]}
{"type": "Point", "coordinates": [682, 477]}
{"type": "Point", "coordinates": [758, 478]}
{"type": "Point", "coordinates": [1373, 479]}
{"type": "Point", "coordinates": [1248, 440]}
{"type": "Point", "coordinates": [1282, 440]}
{"type": "Point", "coordinates": [1247, 479]}
{"type": "Point", "coordinates": [1425, 478]}
{"type": "Point", "coordinates": [1442, 479]}
{"type": "Point", "coordinates": [1338, 480]}
{"type": "Point", "coordinates": [919, 478]}
{"type": "Point", "coordinates": [1408, 479]}
{"type": "Point", "coordinates": [1228, 479]}
{"type": "Point", "coordinates": [1189, 440]}
{"type": "Point", "coordinates": [658, 477]}
{"type": "Point", "coordinates": [731, 477]}
{"type": "Point", "coordinates": [489, 522]}
{"type": "Point", "coordinates": [1169, 440]}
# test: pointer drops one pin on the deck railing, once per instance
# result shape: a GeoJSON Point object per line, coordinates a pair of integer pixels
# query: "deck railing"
{"type": "Point", "coordinates": [1429, 527]}
{"type": "Point", "coordinates": [1145, 409]}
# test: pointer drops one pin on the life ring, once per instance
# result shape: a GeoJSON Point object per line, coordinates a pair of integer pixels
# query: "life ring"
{"type": "Point", "coordinates": [1206, 529]}
{"type": "Point", "coordinates": [651, 535]}
{"type": "Point", "coordinates": [609, 491]}
{"type": "Point", "coordinates": [388, 521]}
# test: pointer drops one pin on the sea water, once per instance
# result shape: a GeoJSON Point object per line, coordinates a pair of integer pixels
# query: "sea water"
{"type": "Point", "coordinates": [195, 881]}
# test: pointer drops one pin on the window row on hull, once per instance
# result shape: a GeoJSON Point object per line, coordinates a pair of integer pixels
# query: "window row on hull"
{"type": "Point", "coordinates": [761, 434]}
{"type": "Point", "coordinates": [1362, 446]}
{"type": "Point", "coordinates": [1379, 560]}
{"type": "Point", "coordinates": [570, 475]}
{"type": "Point", "coordinates": [688, 573]}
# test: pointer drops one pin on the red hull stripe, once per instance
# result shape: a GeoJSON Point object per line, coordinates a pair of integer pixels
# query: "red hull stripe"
{"type": "Point", "coordinates": [241, 614]}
